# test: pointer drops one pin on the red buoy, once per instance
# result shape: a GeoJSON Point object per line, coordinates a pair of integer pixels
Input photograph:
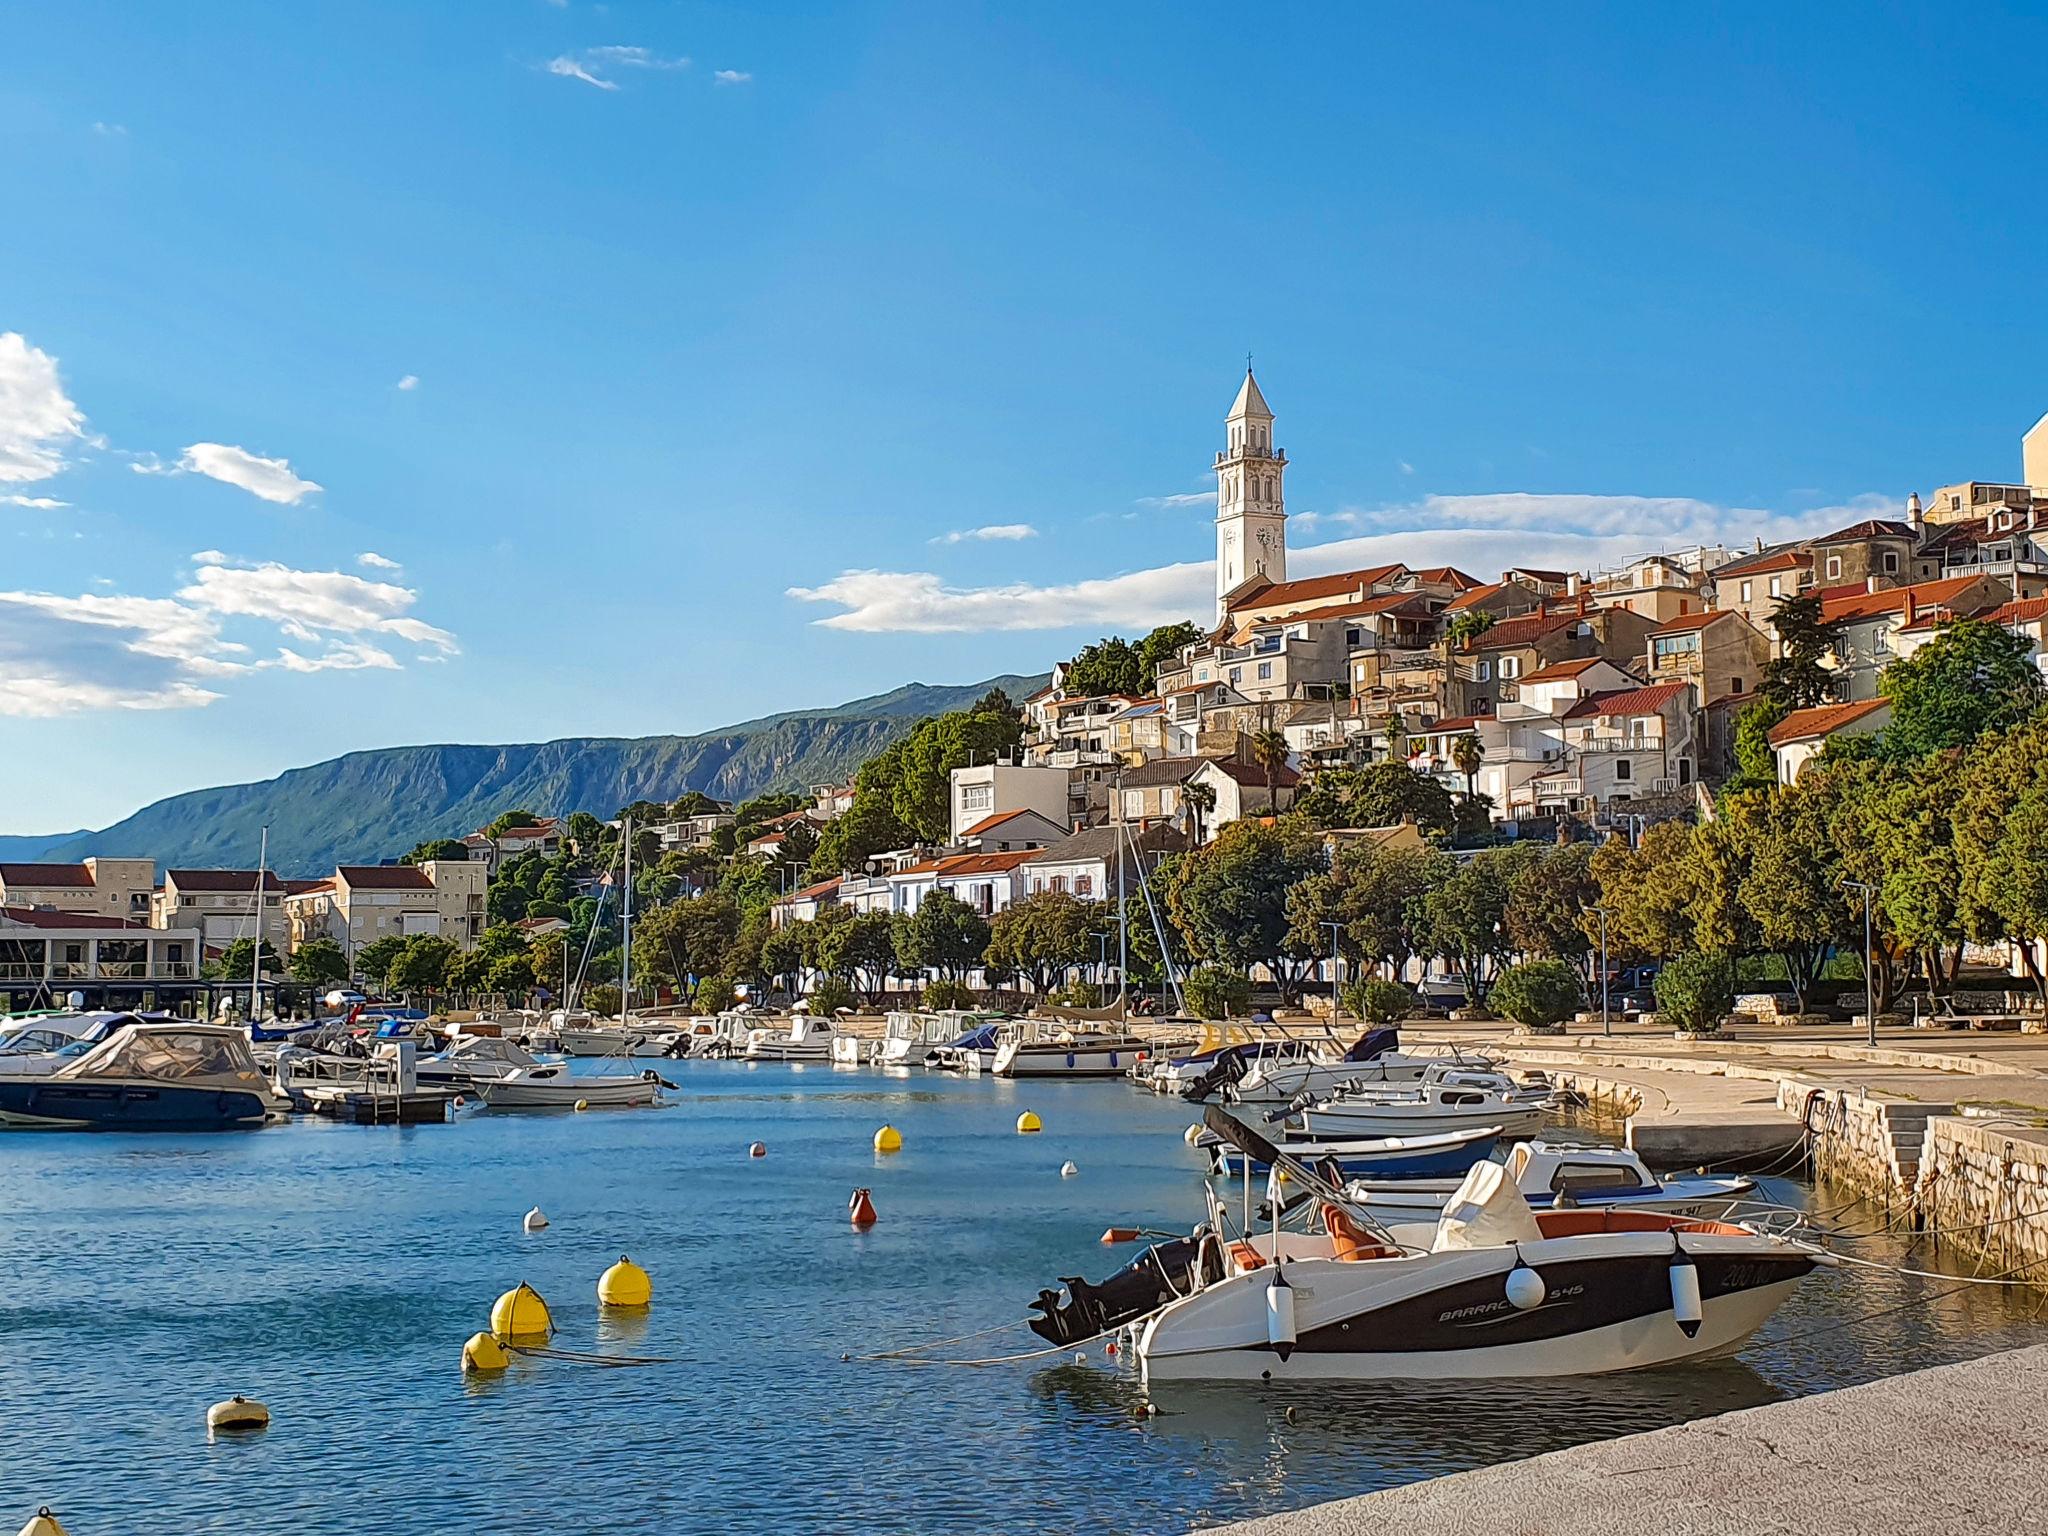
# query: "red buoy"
{"type": "Point", "coordinates": [1121, 1235]}
{"type": "Point", "coordinates": [861, 1209]}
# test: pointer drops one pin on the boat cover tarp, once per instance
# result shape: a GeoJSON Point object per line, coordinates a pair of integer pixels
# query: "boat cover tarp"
{"type": "Point", "coordinates": [1486, 1211]}
{"type": "Point", "coordinates": [1374, 1043]}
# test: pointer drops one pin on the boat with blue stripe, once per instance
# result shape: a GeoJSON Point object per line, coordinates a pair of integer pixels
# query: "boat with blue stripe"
{"type": "Point", "coordinates": [1447, 1154]}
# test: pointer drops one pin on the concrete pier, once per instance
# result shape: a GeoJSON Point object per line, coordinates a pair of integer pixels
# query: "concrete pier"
{"type": "Point", "coordinates": [1954, 1451]}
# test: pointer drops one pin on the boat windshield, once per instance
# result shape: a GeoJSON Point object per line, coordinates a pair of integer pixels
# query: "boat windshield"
{"type": "Point", "coordinates": [172, 1055]}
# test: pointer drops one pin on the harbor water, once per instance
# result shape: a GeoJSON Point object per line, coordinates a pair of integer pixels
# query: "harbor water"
{"type": "Point", "coordinates": [334, 1271]}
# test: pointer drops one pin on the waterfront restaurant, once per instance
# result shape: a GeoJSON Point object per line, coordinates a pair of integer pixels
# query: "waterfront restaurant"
{"type": "Point", "coordinates": [114, 962]}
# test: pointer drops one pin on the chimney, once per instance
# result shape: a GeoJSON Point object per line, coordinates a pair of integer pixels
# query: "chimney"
{"type": "Point", "coordinates": [1915, 513]}
{"type": "Point", "coordinates": [1571, 585]}
{"type": "Point", "coordinates": [1912, 609]}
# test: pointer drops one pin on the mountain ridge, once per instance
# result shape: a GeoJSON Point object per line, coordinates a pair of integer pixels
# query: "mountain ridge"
{"type": "Point", "coordinates": [375, 804]}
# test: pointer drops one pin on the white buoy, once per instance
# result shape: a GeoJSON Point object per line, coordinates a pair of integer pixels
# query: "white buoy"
{"type": "Point", "coordinates": [43, 1523]}
{"type": "Point", "coordinates": [1068, 1170]}
{"type": "Point", "coordinates": [1525, 1288]}
{"type": "Point", "coordinates": [1280, 1314]}
{"type": "Point", "coordinates": [1685, 1296]}
{"type": "Point", "coordinates": [237, 1413]}
{"type": "Point", "coordinates": [534, 1220]}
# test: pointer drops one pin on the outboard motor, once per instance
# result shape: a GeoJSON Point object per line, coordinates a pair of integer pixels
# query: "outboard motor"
{"type": "Point", "coordinates": [1146, 1282]}
{"type": "Point", "coordinates": [1229, 1067]}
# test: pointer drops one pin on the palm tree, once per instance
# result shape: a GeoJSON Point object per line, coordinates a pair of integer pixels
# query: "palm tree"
{"type": "Point", "coordinates": [1200, 799]}
{"type": "Point", "coordinates": [1466, 752]}
{"type": "Point", "coordinates": [1269, 751]}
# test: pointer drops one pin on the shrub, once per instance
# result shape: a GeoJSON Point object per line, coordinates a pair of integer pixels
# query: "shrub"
{"type": "Point", "coordinates": [1214, 993]}
{"type": "Point", "coordinates": [1536, 995]}
{"type": "Point", "coordinates": [1694, 992]}
{"type": "Point", "coordinates": [602, 999]}
{"type": "Point", "coordinates": [1078, 994]}
{"type": "Point", "coordinates": [1378, 1000]}
{"type": "Point", "coordinates": [830, 995]}
{"type": "Point", "coordinates": [948, 994]}
{"type": "Point", "coordinates": [714, 994]}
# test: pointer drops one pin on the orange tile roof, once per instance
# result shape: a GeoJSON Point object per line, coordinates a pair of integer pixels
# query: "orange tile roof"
{"type": "Point", "coordinates": [1526, 629]}
{"type": "Point", "coordinates": [1458, 723]}
{"type": "Point", "coordinates": [1559, 670]}
{"type": "Point", "coordinates": [1856, 603]}
{"type": "Point", "coordinates": [982, 863]}
{"type": "Point", "coordinates": [992, 821]}
{"type": "Point", "coordinates": [385, 877]}
{"type": "Point", "coordinates": [1474, 597]}
{"type": "Point", "coordinates": [1763, 564]}
{"type": "Point", "coordinates": [2025, 610]}
{"type": "Point", "coordinates": [1628, 701]}
{"type": "Point", "coordinates": [1311, 588]}
{"type": "Point", "coordinates": [1690, 621]}
{"type": "Point", "coordinates": [811, 892]}
{"type": "Point", "coordinates": [1447, 575]}
{"type": "Point", "coordinates": [1822, 720]}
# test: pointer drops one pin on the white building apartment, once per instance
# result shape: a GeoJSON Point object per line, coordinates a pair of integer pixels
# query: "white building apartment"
{"type": "Point", "coordinates": [44, 954]}
{"type": "Point", "coordinates": [364, 903]}
{"type": "Point", "coordinates": [222, 905]}
{"type": "Point", "coordinates": [989, 789]}
{"type": "Point", "coordinates": [106, 887]}
{"type": "Point", "coordinates": [987, 882]}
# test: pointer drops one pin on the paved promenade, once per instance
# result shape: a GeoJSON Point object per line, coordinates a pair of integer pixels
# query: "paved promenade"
{"type": "Point", "coordinates": [1961, 1450]}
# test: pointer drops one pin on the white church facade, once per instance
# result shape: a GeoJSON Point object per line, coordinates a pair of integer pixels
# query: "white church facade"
{"type": "Point", "coordinates": [1251, 505]}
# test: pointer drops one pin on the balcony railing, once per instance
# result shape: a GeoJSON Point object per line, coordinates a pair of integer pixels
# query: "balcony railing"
{"type": "Point", "coordinates": [1618, 744]}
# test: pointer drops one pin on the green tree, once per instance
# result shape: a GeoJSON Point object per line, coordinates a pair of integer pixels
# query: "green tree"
{"type": "Point", "coordinates": [1270, 753]}
{"type": "Point", "coordinates": [2001, 843]}
{"type": "Point", "coordinates": [509, 820]}
{"type": "Point", "coordinates": [1644, 891]}
{"type": "Point", "coordinates": [1200, 798]}
{"type": "Point", "coordinates": [685, 939]}
{"type": "Point", "coordinates": [510, 975]}
{"type": "Point", "coordinates": [1217, 992]}
{"type": "Point", "coordinates": [319, 963]}
{"type": "Point", "coordinates": [235, 960]}
{"type": "Point", "coordinates": [1791, 881]}
{"type": "Point", "coordinates": [1378, 1001]}
{"type": "Point", "coordinates": [1550, 888]}
{"type": "Point", "coordinates": [1756, 765]}
{"type": "Point", "coordinates": [783, 954]}
{"type": "Point", "coordinates": [922, 797]}
{"type": "Point", "coordinates": [1466, 627]}
{"type": "Point", "coordinates": [1465, 921]}
{"type": "Point", "coordinates": [1467, 752]}
{"type": "Point", "coordinates": [1379, 893]}
{"type": "Point", "coordinates": [1161, 650]}
{"type": "Point", "coordinates": [831, 995]}
{"type": "Point", "coordinates": [437, 848]}
{"type": "Point", "coordinates": [1695, 992]}
{"type": "Point", "coordinates": [1970, 678]}
{"type": "Point", "coordinates": [868, 827]}
{"type": "Point", "coordinates": [944, 935]}
{"type": "Point", "coordinates": [1797, 677]}
{"type": "Point", "coordinates": [374, 960]}
{"type": "Point", "coordinates": [693, 802]}
{"type": "Point", "coordinates": [1537, 994]}
{"type": "Point", "coordinates": [422, 965]}
{"type": "Point", "coordinates": [1229, 900]}
{"type": "Point", "coordinates": [1111, 665]}
{"type": "Point", "coordinates": [1043, 937]}
{"type": "Point", "coordinates": [1376, 796]}
{"type": "Point", "coordinates": [714, 994]}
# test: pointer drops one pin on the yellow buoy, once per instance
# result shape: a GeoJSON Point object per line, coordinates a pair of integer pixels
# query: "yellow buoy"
{"type": "Point", "coordinates": [237, 1412]}
{"type": "Point", "coordinates": [484, 1353]}
{"type": "Point", "coordinates": [1028, 1122]}
{"type": "Point", "coordinates": [581, 1105]}
{"type": "Point", "coordinates": [521, 1314]}
{"type": "Point", "coordinates": [625, 1284]}
{"type": "Point", "coordinates": [888, 1139]}
{"type": "Point", "coordinates": [43, 1524]}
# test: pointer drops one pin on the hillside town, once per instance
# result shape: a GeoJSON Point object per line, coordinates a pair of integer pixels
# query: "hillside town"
{"type": "Point", "coordinates": [1506, 727]}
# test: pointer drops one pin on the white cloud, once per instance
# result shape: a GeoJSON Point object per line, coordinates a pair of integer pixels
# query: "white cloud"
{"type": "Point", "coordinates": [409, 382]}
{"type": "Point", "coordinates": [371, 560]}
{"type": "Point", "coordinates": [1009, 532]}
{"type": "Point", "coordinates": [38, 503]}
{"type": "Point", "coordinates": [1481, 534]}
{"type": "Point", "coordinates": [732, 77]}
{"type": "Point", "coordinates": [110, 130]}
{"type": "Point", "coordinates": [569, 69]}
{"type": "Point", "coordinates": [1407, 468]}
{"type": "Point", "coordinates": [271, 479]}
{"type": "Point", "coordinates": [63, 655]}
{"type": "Point", "coordinates": [39, 424]}
{"type": "Point", "coordinates": [1180, 499]}
{"type": "Point", "coordinates": [595, 66]}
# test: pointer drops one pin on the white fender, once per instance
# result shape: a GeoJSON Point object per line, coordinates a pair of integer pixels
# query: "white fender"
{"type": "Point", "coordinates": [1280, 1313]}
{"type": "Point", "coordinates": [1686, 1305]}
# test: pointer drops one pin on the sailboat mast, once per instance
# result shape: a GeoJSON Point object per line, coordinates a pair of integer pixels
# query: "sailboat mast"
{"type": "Point", "coordinates": [1123, 912]}
{"type": "Point", "coordinates": [626, 946]}
{"type": "Point", "coordinates": [256, 961]}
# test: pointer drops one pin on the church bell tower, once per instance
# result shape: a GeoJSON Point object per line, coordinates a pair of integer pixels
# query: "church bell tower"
{"type": "Point", "coordinates": [1251, 511]}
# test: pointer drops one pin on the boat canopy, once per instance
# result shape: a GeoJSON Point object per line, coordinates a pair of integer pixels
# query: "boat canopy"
{"type": "Point", "coordinates": [195, 1055]}
{"type": "Point", "coordinates": [1374, 1043]}
{"type": "Point", "coordinates": [1486, 1211]}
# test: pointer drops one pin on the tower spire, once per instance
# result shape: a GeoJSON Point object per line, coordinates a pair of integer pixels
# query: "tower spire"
{"type": "Point", "coordinates": [1251, 512]}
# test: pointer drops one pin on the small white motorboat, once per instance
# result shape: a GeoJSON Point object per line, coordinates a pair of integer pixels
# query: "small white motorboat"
{"type": "Point", "coordinates": [473, 1059]}
{"type": "Point", "coordinates": [38, 1046]}
{"type": "Point", "coordinates": [1066, 1052]}
{"type": "Point", "coordinates": [804, 1037]}
{"type": "Point", "coordinates": [1375, 1060]}
{"type": "Point", "coordinates": [1449, 1098]}
{"type": "Point", "coordinates": [1557, 1174]}
{"type": "Point", "coordinates": [555, 1087]}
{"type": "Point", "coordinates": [150, 1076]}
{"type": "Point", "coordinates": [972, 1048]}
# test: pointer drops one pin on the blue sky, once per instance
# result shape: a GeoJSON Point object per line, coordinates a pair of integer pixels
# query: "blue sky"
{"type": "Point", "coordinates": [722, 321]}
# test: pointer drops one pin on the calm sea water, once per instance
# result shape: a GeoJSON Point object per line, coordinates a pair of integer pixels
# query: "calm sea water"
{"type": "Point", "coordinates": [335, 1271]}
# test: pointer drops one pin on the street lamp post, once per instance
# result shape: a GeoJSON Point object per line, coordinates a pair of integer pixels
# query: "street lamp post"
{"type": "Point", "coordinates": [1865, 889]}
{"type": "Point", "coordinates": [1336, 973]}
{"type": "Point", "coordinates": [1606, 1027]}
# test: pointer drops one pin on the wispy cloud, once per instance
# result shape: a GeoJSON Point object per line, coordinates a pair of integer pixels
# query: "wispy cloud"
{"type": "Point", "coordinates": [39, 424]}
{"type": "Point", "coordinates": [1481, 534]}
{"type": "Point", "coordinates": [1406, 467]}
{"type": "Point", "coordinates": [410, 382]}
{"type": "Point", "coordinates": [991, 531]}
{"type": "Point", "coordinates": [596, 66]}
{"type": "Point", "coordinates": [732, 77]}
{"type": "Point", "coordinates": [37, 503]}
{"type": "Point", "coordinates": [110, 130]}
{"type": "Point", "coordinates": [272, 480]}
{"type": "Point", "coordinates": [1180, 499]}
{"type": "Point", "coordinates": [369, 559]}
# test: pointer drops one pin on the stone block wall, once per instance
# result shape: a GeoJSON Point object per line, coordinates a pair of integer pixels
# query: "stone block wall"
{"type": "Point", "coordinates": [1984, 1191]}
